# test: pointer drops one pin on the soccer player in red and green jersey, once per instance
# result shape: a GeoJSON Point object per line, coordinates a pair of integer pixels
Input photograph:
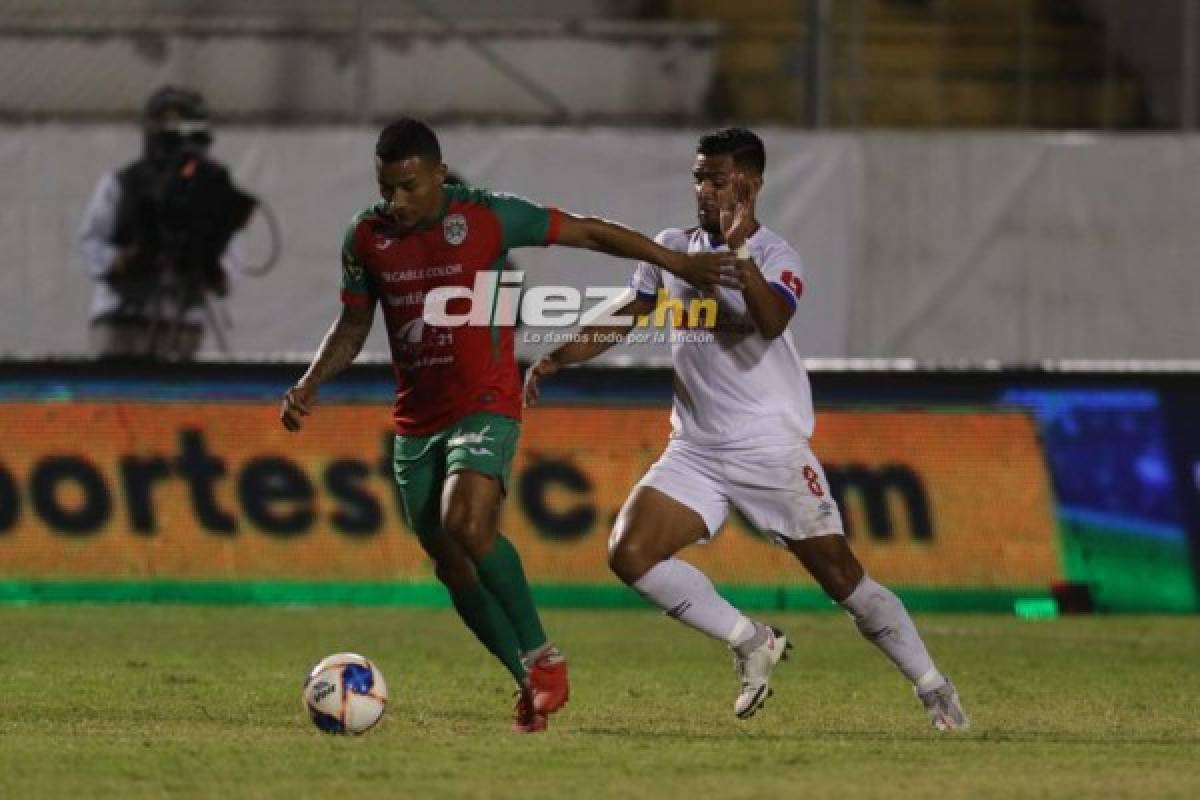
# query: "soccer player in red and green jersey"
{"type": "Point", "coordinates": [458, 390]}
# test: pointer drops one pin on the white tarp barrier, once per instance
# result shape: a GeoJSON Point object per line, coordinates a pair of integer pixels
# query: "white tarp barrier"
{"type": "Point", "coordinates": [1017, 247]}
{"type": "Point", "coordinates": [315, 179]}
{"type": "Point", "coordinates": [1029, 247]}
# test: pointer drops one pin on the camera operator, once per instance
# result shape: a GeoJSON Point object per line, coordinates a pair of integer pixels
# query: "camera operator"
{"type": "Point", "coordinates": [156, 233]}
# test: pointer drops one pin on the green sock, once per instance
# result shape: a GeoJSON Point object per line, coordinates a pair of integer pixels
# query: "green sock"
{"type": "Point", "coordinates": [500, 571]}
{"type": "Point", "coordinates": [487, 620]}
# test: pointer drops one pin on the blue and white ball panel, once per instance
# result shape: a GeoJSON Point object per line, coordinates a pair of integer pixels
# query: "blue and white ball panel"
{"type": "Point", "coordinates": [326, 723]}
{"type": "Point", "coordinates": [358, 678]}
{"type": "Point", "coordinates": [362, 712]}
{"type": "Point", "coordinates": [345, 693]}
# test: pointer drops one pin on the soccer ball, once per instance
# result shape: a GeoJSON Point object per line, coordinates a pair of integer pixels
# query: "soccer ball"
{"type": "Point", "coordinates": [345, 693]}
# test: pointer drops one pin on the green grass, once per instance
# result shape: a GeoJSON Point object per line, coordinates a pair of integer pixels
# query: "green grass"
{"type": "Point", "coordinates": [146, 701]}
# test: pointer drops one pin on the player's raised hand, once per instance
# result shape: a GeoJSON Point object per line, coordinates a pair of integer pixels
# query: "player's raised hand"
{"type": "Point", "coordinates": [542, 368]}
{"type": "Point", "coordinates": [297, 403]}
{"type": "Point", "coordinates": [737, 210]}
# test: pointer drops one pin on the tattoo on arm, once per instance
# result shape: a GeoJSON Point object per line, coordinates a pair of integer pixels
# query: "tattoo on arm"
{"type": "Point", "coordinates": [342, 344]}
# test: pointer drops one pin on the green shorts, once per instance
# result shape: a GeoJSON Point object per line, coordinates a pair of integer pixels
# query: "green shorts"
{"type": "Point", "coordinates": [481, 442]}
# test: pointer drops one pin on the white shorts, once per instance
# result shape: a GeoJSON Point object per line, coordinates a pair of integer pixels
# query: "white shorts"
{"type": "Point", "coordinates": [781, 491]}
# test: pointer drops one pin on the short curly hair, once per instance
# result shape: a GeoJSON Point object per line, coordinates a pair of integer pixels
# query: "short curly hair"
{"type": "Point", "coordinates": [741, 143]}
{"type": "Point", "coordinates": [407, 137]}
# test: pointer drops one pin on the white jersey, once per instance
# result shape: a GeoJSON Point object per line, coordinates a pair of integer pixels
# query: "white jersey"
{"type": "Point", "coordinates": [734, 389]}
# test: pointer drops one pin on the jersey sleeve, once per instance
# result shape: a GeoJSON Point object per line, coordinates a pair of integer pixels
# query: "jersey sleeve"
{"type": "Point", "coordinates": [525, 223]}
{"type": "Point", "coordinates": [356, 288]}
{"type": "Point", "coordinates": [782, 268]}
{"type": "Point", "coordinates": [647, 278]}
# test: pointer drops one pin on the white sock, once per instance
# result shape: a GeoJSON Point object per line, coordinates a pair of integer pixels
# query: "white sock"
{"type": "Point", "coordinates": [882, 620]}
{"type": "Point", "coordinates": [686, 594]}
{"type": "Point", "coordinates": [530, 657]}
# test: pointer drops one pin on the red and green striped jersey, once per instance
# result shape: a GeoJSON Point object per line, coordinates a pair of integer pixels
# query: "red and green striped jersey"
{"type": "Point", "coordinates": [443, 373]}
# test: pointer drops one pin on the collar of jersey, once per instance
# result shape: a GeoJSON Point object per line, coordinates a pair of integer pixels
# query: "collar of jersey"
{"type": "Point", "coordinates": [433, 223]}
{"type": "Point", "coordinates": [708, 237]}
{"type": "Point", "coordinates": [441, 215]}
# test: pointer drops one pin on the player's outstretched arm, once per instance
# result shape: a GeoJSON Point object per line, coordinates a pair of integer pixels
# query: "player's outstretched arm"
{"type": "Point", "coordinates": [593, 233]}
{"type": "Point", "coordinates": [338, 350]}
{"type": "Point", "coordinates": [590, 342]}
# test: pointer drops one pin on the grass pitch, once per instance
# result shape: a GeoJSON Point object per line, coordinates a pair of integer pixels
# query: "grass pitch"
{"type": "Point", "coordinates": [135, 701]}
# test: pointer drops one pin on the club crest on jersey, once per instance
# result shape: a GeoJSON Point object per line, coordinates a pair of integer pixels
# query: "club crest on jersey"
{"type": "Point", "coordinates": [454, 228]}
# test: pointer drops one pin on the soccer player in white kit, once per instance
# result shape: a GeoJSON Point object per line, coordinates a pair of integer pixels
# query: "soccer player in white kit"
{"type": "Point", "coordinates": [741, 423]}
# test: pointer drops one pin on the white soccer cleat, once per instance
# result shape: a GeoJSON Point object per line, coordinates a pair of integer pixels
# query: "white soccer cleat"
{"type": "Point", "coordinates": [944, 708]}
{"type": "Point", "coordinates": [754, 670]}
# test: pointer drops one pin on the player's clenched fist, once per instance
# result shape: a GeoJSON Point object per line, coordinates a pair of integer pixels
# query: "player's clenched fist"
{"type": "Point", "coordinates": [544, 366]}
{"type": "Point", "coordinates": [297, 403]}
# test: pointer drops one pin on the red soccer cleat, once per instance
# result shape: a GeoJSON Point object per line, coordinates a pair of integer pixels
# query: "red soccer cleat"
{"type": "Point", "coordinates": [548, 679]}
{"type": "Point", "coordinates": [525, 718]}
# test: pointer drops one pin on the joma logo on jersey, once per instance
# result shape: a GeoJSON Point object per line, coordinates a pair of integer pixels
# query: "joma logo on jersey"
{"type": "Point", "coordinates": [498, 299]}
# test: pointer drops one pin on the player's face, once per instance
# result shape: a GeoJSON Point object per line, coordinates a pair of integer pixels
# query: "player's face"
{"type": "Point", "coordinates": [412, 188]}
{"type": "Point", "coordinates": [712, 177]}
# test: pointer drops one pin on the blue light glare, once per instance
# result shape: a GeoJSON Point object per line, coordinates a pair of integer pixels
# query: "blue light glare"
{"type": "Point", "coordinates": [1107, 453]}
